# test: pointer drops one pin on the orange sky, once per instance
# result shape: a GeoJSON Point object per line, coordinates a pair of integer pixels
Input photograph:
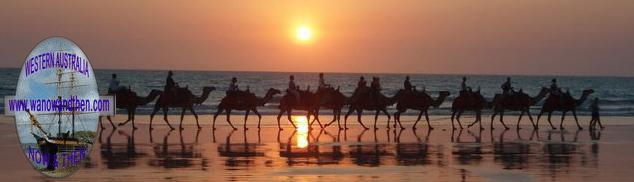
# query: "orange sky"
{"type": "Point", "coordinates": [573, 37]}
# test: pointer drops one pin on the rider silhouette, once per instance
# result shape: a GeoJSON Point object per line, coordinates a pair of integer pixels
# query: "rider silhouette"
{"type": "Point", "coordinates": [292, 88]}
{"type": "Point", "coordinates": [407, 85]}
{"type": "Point", "coordinates": [114, 85]}
{"type": "Point", "coordinates": [506, 86]}
{"type": "Point", "coordinates": [322, 82]}
{"type": "Point", "coordinates": [170, 85]}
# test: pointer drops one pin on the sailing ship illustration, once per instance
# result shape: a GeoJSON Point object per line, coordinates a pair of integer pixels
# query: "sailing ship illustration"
{"type": "Point", "coordinates": [63, 141]}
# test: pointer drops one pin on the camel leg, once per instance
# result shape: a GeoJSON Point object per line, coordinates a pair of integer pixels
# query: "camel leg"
{"type": "Point", "coordinates": [376, 117]}
{"type": "Point", "coordinates": [417, 119]}
{"type": "Point", "coordinates": [218, 112]}
{"type": "Point", "coordinates": [345, 118]}
{"type": "Point", "coordinates": [228, 113]}
{"type": "Point", "coordinates": [495, 113]}
{"type": "Point", "coordinates": [156, 108]}
{"type": "Point", "coordinates": [428, 123]}
{"type": "Point", "coordinates": [458, 118]}
{"type": "Point", "coordinates": [561, 124]}
{"type": "Point", "coordinates": [255, 110]}
{"type": "Point", "coordinates": [334, 118]}
{"type": "Point", "coordinates": [180, 126]}
{"type": "Point", "coordinates": [359, 111]}
{"type": "Point", "coordinates": [502, 120]}
{"type": "Point", "coordinates": [165, 118]}
{"type": "Point", "coordinates": [388, 118]}
{"type": "Point", "coordinates": [479, 119]}
{"type": "Point", "coordinates": [317, 119]}
{"type": "Point", "coordinates": [528, 113]}
{"type": "Point", "coordinates": [574, 114]}
{"type": "Point", "coordinates": [191, 109]}
{"type": "Point", "coordinates": [111, 123]}
{"type": "Point", "coordinates": [453, 114]}
{"type": "Point", "coordinates": [278, 119]}
{"type": "Point", "coordinates": [520, 119]}
{"type": "Point", "coordinates": [339, 118]}
{"type": "Point", "coordinates": [246, 116]}
{"type": "Point", "coordinates": [125, 122]}
{"type": "Point", "coordinates": [538, 117]}
{"type": "Point", "coordinates": [133, 115]}
{"type": "Point", "coordinates": [288, 115]}
{"type": "Point", "coordinates": [551, 124]}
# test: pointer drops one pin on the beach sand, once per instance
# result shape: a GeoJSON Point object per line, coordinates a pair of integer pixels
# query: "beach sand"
{"type": "Point", "coordinates": [269, 154]}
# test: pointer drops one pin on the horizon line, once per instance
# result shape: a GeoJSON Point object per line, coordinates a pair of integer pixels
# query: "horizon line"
{"type": "Point", "coordinates": [354, 72]}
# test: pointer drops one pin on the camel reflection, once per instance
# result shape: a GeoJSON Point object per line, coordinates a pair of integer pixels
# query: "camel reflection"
{"type": "Point", "coordinates": [368, 154]}
{"type": "Point", "coordinates": [120, 155]}
{"type": "Point", "coordinates": [469, 152]}
{"type": "Point", "coordinates": [185, 155]}
{"type": "Point", "coordinates": [313, 152]}
{"type": "Point", "coordinates": [414, 153]}
{"type": "Point", "coordinates": [240, 154]}
{"type": "Point", "coordinates": [511, 154]}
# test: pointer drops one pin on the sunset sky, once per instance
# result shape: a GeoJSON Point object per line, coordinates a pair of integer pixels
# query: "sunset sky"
{"type": "Point", "coordinates": [568, 37]}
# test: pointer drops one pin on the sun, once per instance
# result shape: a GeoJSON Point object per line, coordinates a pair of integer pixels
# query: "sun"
{"type": "Point", "coordinates": [303, 33]}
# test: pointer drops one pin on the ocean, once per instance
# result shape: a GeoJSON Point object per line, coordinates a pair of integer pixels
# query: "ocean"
{"type": "Point", "coordinates": [615, 93]}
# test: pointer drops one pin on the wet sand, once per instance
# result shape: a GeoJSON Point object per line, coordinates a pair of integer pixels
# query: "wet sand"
{"type": "Point", "coordinates": [269, 154]}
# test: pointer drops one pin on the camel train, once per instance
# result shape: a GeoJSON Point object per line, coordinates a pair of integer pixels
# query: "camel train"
{"type": "Point", "coordinates": [364, 98]}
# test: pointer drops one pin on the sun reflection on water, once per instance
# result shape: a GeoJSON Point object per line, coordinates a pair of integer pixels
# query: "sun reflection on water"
{"type": "Point", "coordinates": [302, 130]}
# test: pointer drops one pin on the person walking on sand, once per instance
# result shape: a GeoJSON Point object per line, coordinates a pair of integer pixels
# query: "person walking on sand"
{"type": "Point", "coordinates": [594, 107]}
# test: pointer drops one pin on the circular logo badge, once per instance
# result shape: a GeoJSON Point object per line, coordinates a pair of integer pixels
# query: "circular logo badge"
{"type": "Point", "coordinates": [56, 107]}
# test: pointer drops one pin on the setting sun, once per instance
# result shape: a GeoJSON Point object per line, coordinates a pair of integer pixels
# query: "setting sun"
{"type": "Point", "coordinates": [303, 33]}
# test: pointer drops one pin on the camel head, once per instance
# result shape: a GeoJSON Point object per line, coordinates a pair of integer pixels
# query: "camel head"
{"type": "Point", "coordinates": [273, 92]}
{"type": "Point", "coordinates": [444, 93]}
{"type": "Point", "coordinates": [208, 89]}
{"type": "Point", "coordinates": [588, 91]}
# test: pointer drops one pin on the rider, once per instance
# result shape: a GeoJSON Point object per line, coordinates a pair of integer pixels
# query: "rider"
{"type": "Point", "coordinates": [114, 85]}
{"type": "Point", "coordinates": [322, 82]}
{"type": "Point", "coordinates": [407, 85]}
{"type": "Point", "coordinates": [292, 88]}
{"type": "Point", "coordinates": [463, 86]}
{"type": "Point", "coordinates": [506, 86]}
{"type": "Point", "coordinates": [554, 89]}
{"type": "Point", "coordinates": [233, 86]}
{"type": "Point", "coordinates": [375, 87]}
{"type": "Point", "coordinates": [170, 85]}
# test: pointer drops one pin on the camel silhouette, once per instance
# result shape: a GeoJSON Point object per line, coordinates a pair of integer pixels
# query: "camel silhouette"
{"type": "Point", "coordinates": [243, 101]}
{"type": "Point", "coordinates": [307, 102]}
{"type": "Point", "coordinates": [127, 99]}
{"type": "Point", "coordinates": [377, 103]}
{"type": "Point", "coordinates": [516, 102]}
{"type": "Point", "coordinates": [564, 103]}
{"type": "Point", "coordinates": [468, 101]}
{"type": "Point", "coordinates": [417, 101]}
{"type": "Point", "coordinates": [184, 99]}
{"type": "Point", "coordinates": [330, 98]}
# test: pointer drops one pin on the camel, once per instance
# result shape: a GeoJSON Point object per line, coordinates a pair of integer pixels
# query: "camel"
{"type": "Point", "coordinates": [331, 99]}
{"type": "Point", "coordinates": [468, 101]}
{"type": "Point", "coordinates": [516, 102]}
{"type": "Point", "coordinates": [184, 99]}
{"type": "Point", "coordinates": [417, 101]}
{"type": "Point", "coordinates": [307, 102]}
{"type": "Point", "coordinates": [376, 103]}
{"type": "Point", "coordinates": [126, 99]}
{"type": "Point", "coordinates": [564, 103]}
{"type": "Point", "coordinates": [243, 101]}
